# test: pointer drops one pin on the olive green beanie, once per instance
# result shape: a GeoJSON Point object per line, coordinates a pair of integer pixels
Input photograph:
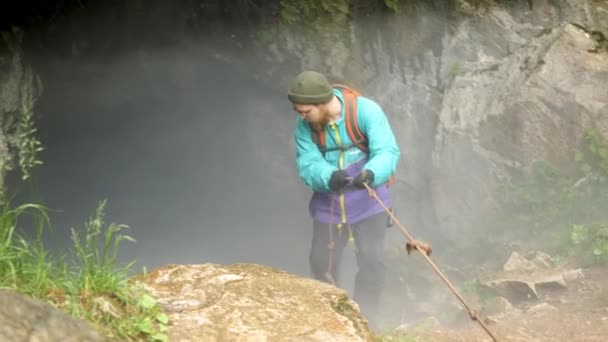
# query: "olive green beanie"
{"type": "Point", "coordinates": [310, 87]}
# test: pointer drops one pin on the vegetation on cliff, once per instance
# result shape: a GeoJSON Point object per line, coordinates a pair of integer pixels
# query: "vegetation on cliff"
{"type": "Point", "coordinates": [87, 282]}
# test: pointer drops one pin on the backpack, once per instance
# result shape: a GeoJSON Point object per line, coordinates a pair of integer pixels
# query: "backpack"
{"type": "Point", "coordinates": [352, 126]}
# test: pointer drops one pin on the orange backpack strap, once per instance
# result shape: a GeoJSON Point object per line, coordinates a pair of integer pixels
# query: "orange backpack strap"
{"type": "Point", "coordinates": [352, 124]}
{"type": "Point", "coordinates": [319, 138]}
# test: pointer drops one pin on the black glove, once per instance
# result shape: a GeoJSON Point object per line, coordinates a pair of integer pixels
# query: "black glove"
{"type": "Point", "coordinates": [338, 180]}
{"type": "Point", "coordinates": [366, 176]}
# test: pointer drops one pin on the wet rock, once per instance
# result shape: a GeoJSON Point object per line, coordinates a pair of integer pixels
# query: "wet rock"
{"type": "Point", "coordinates": [517, 287]}
{"type": "Point", "coordinates": [248, 302]}
{"type": "Point", "coordinates": [541, 308]}
{"type": "Point", "coordinates": [572, 275]}
{"type": "Point", "coordinates": [517, 262]}
{"type": "Point", "coordinates": [525, 280]}
{"type": "Point", "coordinates": [515, 290]}
{"type": "Point", "coordinates": [543, 260]}
{"type": "Point", "coordinates": [550, 281]}
{"type": "Point", "coordinates": [520, 263]}
{"type": "Point", "coordinates": [495, 306]}
{"type": "Point", "coordinates": [23, 318]}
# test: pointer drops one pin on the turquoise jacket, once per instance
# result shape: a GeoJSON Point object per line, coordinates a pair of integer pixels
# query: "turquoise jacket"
{"type": "Point", "coordinates": [315, 169]}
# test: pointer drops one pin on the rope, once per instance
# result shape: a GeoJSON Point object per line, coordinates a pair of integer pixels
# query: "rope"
{"type": "Point", "coordinates": [330, 244]}
{"type": "Point", "coordinates": [425, 250]}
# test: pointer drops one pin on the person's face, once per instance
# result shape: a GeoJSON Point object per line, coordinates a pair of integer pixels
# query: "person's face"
{"type": "Point", "coordinates": [312, 113]}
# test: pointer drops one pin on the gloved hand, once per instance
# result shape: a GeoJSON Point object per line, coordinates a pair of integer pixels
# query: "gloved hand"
{"type": "Point", "coordinates": [366, 176]}
{"type": "Point", "coordinates": [338, 180]}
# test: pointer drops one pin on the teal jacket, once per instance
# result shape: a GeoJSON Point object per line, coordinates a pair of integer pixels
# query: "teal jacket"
{"type": "Point", "coordinates": [315, 170]}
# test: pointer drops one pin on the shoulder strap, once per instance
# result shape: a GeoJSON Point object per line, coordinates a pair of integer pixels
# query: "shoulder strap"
{"type": "Point", "coordinates": [352, 124]}
{"type": "Point", "coordinates": [319, 138]}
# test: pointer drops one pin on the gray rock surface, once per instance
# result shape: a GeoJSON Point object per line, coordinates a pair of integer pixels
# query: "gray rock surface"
{"type": "Point", "coordinates": [516, 104]}
{"type": "Point", "coordinates": [24, 319]}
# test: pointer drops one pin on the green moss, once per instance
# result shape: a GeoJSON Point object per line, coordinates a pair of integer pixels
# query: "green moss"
{"type": "Point", "coordinates": [343, 307]}
{"type": "Point", "coordinates": [417, 333]}
{"type": "Point", "coordinates": [392, 5]}
{"type": "Point", "coordinates": [305, 11]}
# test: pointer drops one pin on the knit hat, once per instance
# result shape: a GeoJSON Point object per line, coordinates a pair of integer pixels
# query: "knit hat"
{"type": "Point", "coordinates": [310, 87]}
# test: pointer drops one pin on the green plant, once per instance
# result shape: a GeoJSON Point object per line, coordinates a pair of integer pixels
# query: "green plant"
{"type": "Point", "coordinates": [560, 207]}
{"type": "Point", "coordinates": [99, 271]}
{"type": "Point", "coordinates": [19, 258]}
{"type": "Point", "coordinates": [455, 70]}
{"type": "Point", "coordinates": [414, 334]}
{"type": "Point", "coordinates": [392, 5]}
{"type": "Point", "coordinates": [28, 146]}
{"type": "Point", "coordinates": [599, 249]}
{"type": "Point", "coordinates": [579, 234]}
{"type": "Point", "coordinates": [297, 11]}
{"type": "Point", "coordinates": [105, 283]}
{"type": "Point", "coordinates": [469, 288]}
{"type": "Point", "coordinates": [93, 287]}
{"type": "Point", "coordinates": [593, 158]}
{"type": "Point", "coordinates": [294, 11]}
{"type": "Point", "coordinates": [589, 241]}
{"type": "Point", "coordinates": [264, 36]}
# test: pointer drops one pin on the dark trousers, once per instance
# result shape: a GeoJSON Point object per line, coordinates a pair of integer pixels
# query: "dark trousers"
{"type": "Point", "coordinates": [369, 247]}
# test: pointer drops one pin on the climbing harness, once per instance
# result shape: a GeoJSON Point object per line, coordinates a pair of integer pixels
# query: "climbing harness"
{"type": "Point", "coordinates": [425, 250]}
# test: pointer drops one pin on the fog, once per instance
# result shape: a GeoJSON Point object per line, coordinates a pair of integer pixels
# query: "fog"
{"type": "Point", "coordinates": [190, 139]}
{"type": "Point", "coordinates": [170, 139]}
{"type": "Point", "coordinates": [192, 150]}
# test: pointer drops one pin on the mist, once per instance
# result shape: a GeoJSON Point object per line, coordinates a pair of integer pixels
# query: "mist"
{"type": "Point", "coordinates": [174, 139]}
{"type": "Point", "coordinates": [190, 139]}
{"type": "Point", "coordinates": [173, 114]}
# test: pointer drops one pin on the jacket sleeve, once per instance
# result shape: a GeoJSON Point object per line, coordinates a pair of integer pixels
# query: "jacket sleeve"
{"type": "Point", "coordinates": [383, 148]}
{"type": "Point", "coordinates": [312, 168]}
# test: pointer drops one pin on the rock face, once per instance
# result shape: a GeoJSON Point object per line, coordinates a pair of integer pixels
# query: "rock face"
{"type": "Point", "coordinates": [521, 102]}
{"type": "Point", "coordinates": [244, 302]}
{"type": "Point", "coordinates": [25, 319]}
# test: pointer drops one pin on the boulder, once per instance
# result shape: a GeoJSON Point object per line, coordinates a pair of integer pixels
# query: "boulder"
{"type": "Point", "coordinates": [541, 308]}
{"type": "Point", "coordinates": [249, 302]}
{"type": "Point", "coordinates": [518, 263]}
{"type": "Point", "coordinates": [23, 318]}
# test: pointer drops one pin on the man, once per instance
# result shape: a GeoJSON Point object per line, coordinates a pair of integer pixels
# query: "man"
{"type": "Point", "coordinates": [341, 206]}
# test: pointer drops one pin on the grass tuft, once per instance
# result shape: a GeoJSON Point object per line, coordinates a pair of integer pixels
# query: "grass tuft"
{"type": "Point", "coordinates": [93, 286]}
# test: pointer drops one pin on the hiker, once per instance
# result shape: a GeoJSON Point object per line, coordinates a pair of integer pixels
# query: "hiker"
{"type": "Point", "coordinates": [344, 141]}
